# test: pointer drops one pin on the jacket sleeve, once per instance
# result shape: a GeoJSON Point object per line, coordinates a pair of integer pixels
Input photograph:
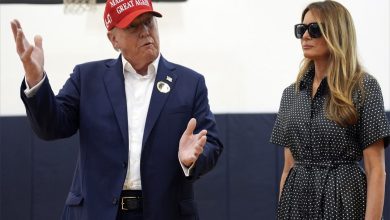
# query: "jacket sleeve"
{"type": "Point", "coordinates": [205, 120]}
{"type": "Point", "coordinates": [51, 116]}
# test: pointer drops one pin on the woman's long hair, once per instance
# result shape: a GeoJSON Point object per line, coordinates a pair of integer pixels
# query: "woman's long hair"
{"type": "Point", "coordinates": [345, 73]}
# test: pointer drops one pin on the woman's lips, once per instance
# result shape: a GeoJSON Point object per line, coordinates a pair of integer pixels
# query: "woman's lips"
{"type": "Point", "coordinates": [306, 46]}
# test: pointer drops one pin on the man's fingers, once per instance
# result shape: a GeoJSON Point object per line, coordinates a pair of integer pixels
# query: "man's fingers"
{"type": "Point", "coordinates": [194, 150]}
{"type": "Point", "coordinates": [17, 23]}
{"type": "Point", "coordinates": [14, 29]}
{"type": "Point", "coordinates": [201, 133]}
{"type": "Point", "coordinates": [190, 127]}
{"type": "Point", "coordinates": [21, 42]}
{"type": "Point", "coordinates": [26, 56]}
{"type": "Point", "coordinates": [202, 141]}
{"type": "Point", "coordinates": [198, 151]}
{"type": "Point", "coordinates": [38, 41]}
{"type": "Point", "coordinates": [200, 145]}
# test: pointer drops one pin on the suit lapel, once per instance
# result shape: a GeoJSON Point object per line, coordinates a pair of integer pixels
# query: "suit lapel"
{"type": "Point", "coordinates": [115, 86]}
{"type": "Point", "coordinates": [158, 99]}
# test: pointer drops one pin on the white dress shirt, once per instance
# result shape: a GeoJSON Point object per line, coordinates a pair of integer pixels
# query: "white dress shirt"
{"type": "Point", "coordinates": [138, 90]}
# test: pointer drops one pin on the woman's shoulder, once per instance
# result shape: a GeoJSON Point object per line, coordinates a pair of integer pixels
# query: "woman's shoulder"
{"type": "Point", "coordinates": [370, 83]}
{"type": "Point", "coordinates": [369, 90]}
{"type": "Point", "coordinates": [367, 77]}
{"type": "Point", "coordinates": [290, 90]}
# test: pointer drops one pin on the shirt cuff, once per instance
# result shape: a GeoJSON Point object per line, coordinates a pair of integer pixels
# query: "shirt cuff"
{"type": "Point", "coordinates": [186, 171]}
{"type": "Point", "coordinates": [30, 92]}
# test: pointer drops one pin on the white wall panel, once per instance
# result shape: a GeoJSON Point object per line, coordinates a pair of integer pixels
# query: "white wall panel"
{"type": "Point", "coordinates": [245, 49]}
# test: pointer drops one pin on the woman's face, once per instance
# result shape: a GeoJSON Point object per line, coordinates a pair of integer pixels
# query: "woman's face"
{"type": "Point", "coordinates": [313, 48]}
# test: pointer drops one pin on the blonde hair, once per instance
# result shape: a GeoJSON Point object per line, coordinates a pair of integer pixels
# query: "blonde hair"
{"type": "Point", "coordinates": [345, 73]}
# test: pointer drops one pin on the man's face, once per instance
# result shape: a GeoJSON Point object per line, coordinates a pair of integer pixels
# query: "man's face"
{"type": "Point", "coordinates": [139, 42]}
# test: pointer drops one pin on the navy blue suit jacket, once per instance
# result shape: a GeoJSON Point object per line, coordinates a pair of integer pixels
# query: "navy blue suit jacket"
{"type": "Point", "coordinates": [93, 102]}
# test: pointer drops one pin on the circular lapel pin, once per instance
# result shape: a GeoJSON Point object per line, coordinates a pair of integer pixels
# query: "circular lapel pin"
{"type": "Point", "coordinates": [163, 87]}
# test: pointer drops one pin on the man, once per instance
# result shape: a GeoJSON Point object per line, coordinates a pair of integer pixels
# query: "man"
{"type": "Point", "coordinates": [145, 126]}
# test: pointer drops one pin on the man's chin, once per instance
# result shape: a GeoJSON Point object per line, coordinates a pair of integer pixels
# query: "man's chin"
{"type": "Point", "coordinates": [151, 55]}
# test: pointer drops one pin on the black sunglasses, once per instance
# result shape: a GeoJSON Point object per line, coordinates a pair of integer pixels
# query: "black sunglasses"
{"type": "Point", "coordinates": [313, 29]}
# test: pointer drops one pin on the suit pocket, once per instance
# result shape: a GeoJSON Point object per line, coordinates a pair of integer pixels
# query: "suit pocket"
{"type": "Point", "coordinates": [73, 207]}
{"type": "Point", "coordinates": [188, 207]}
{"type": "Point", "coordinates": [74, 199]}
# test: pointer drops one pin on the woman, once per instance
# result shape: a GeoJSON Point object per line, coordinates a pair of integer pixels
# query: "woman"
{"type": "Point", "coordinates": [331, 118]}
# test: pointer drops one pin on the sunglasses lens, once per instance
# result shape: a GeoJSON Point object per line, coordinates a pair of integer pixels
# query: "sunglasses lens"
{"type": "Point", "coordinates": [314, 30]}
{"type": "Point", "coordinates": [299, 30]}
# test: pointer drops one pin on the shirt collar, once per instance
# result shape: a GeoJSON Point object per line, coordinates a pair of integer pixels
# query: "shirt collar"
{"type": "Point", "coordinates": [307, 79]}
{"type": "Point", "coordinates": [152, 68]}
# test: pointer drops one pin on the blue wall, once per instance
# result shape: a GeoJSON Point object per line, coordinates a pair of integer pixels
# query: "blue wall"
{"type": "Point", "coordinates": [35, 175]}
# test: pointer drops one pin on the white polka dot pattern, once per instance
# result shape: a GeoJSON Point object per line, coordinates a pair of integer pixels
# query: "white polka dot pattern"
{"type": "Point", "coordinates": [326, 181]}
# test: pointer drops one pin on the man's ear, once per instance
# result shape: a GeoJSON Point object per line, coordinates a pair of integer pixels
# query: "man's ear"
{"type": "Point", "coordinates": [112, 39]}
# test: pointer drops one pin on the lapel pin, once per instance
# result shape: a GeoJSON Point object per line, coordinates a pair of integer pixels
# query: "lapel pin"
{"type": "Point", "coordinates": [169, 78]}
{"type": "Point", "coordinates": [163, 87]}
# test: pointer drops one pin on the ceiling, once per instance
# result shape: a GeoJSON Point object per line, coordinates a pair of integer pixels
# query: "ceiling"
{"type": "Point", "coordinates": [61, 1]}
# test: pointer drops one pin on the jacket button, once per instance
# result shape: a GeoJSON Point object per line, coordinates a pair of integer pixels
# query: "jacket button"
{"type": "Point", "coordinates": [124, 164]}
{"type": "Point", "coordinates": [115, 201]}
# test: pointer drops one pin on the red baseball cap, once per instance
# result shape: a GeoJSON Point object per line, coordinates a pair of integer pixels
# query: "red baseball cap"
{"type": "Point", "coordinates": [120, 13]}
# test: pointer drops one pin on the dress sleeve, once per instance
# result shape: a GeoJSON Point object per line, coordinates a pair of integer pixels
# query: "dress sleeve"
{"type": "Point", "coordinates": [373, 123]}
{"type": "Point", "coordinates": [278, 135]}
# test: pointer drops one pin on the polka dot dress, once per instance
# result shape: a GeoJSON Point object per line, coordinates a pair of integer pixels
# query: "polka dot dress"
{"type": "Point", "coordinates": [326, 181]}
